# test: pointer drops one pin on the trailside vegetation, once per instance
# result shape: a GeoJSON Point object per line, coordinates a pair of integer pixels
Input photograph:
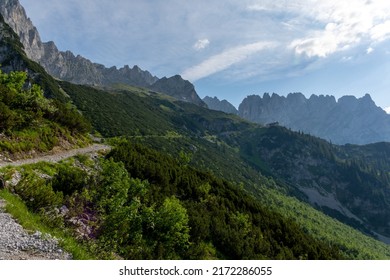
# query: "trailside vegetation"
{"type": "Point", "coordinates": [29, 121]}
{"type": "Point", "coordinates": [140, 204]}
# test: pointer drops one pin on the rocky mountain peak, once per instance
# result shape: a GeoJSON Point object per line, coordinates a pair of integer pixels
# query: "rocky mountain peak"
{"type": "Point", "coordinates": [15, 16]}
{"type": "Point", "coordinates": [179, 88]}
{"type": "Point", "coordinates": [296, 97]}
{"type": "Point", "coordinates": [366, 99]}
{"type": "Point", "coordinates": [220, 105]}
{"type": "Point", "coordinates": [347, 120]}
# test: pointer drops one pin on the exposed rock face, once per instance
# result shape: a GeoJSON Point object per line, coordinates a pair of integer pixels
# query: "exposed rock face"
{"type": "Point", "coordinates": [11, 51]}
{"type": "Point", "coordinates": [126, 75]}
{"type": "Point", "coordinates": [179, 88]}
{"type": "Point", "coordinates": [13, 58]}
{"type": "Point", "coordinates": [218, 105]}
{"type": "Point", "coordinates": [348, 120]}
{"type": "Point", "coordinates": [79, 70]}
{"type": "Point", "coordinates": [15, 16]}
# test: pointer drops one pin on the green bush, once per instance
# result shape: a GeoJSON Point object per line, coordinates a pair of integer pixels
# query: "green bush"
{"type": "Point", "coordinates": [37, 192]}
{"type": "Point", "coordinates": [69, 179]}
{"type": "Point", "coordinates": [31, 121]}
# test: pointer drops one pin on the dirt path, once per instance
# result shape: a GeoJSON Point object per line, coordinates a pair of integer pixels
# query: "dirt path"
{"type": "Point", "coordinates": [58, 156]}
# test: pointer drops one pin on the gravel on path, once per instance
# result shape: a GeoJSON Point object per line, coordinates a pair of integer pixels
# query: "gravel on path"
{"type": "Point", "coordinates": [17, 244]}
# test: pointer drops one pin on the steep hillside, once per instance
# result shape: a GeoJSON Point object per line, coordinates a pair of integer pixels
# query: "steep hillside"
{"type": "Point", "coordinates": [350, 183]}
{"type": "Point", "coordinates": [224, 145]}
{"type": "Point", "coordinates": [139, 111]}
{"type": "Point", "coordinates": [31, 123]}
{"type": "Point", "coordinates": [348, 120]}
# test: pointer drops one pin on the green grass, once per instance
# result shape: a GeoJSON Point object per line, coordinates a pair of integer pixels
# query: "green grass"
{"type": "Point", "coordinates": [32, 222]}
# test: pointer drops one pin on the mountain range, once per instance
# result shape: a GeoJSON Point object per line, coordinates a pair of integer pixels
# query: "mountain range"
{"type": "Point", "coordinates": [360, 121]}
{"type": "Point", "coordinates": [242, 189]}
{"type": "Point", "coordinates": [77, 69]}
{"type": "Point", "coordinates": [346, 120]}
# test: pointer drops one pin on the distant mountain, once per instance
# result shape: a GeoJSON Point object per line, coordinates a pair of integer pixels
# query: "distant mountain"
{"type": "Point", "coordinates": [347, 120]}
{"type": "Point", "coordinates": [77, 69]}
{"type": "Point", "coordinates": [220, 105]}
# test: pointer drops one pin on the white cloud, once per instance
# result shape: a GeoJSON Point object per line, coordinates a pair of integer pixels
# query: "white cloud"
{"type": "Point", "coordinates": [224, 60]}
{"type": "Point", "coordinates": [201, 44]}
{"type": "Point", "coordinates": [332, 26]}
{"type": "Point", "coordinates": [346, 58]}
{"type": "Point", "coordinates": [369, 50]}
{"type": "Point", "coordinates": [257, 7]}
{"type": "Point", "coordinates": [304, 29]}
{"type": "Point", "coordinates": [387, 110]}
{"type": "Point", "coordinates": [381, 31]}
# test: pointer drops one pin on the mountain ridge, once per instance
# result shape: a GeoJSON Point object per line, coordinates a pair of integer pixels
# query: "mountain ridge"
{"type": "Point", "coordinates": [346, 120]}
{"type": "Point", "coordinates": [66, 66]}
{"type": "Point", "coordinates": [220, 105]}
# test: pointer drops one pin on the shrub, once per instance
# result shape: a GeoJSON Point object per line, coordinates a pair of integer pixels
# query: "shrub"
{"type": "Point", "coordinates": [37, 192]}
{"type": "Point", "coordinates": [69, 179]}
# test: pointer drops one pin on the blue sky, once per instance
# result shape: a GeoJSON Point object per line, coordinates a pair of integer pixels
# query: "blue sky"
{"type": "Point", "coordinates": [233, 48]}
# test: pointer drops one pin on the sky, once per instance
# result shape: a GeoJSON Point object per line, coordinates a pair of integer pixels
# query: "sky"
{"type": "Point", "coordinates": [233, 48]}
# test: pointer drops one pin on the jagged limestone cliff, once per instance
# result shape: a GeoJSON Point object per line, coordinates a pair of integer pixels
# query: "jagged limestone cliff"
{"type": "Point", "coordinates": [347, 120]}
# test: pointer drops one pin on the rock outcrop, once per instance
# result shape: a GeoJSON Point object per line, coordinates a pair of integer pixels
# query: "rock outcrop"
{"type": "Point", "coordinates": [178, 88]}
{"type": "Point", "coordinates": [220, 105]}
{"type": "Point", "coordinates": [65, 65]}
{"type": "Point", "coordinates": [12, 55]}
